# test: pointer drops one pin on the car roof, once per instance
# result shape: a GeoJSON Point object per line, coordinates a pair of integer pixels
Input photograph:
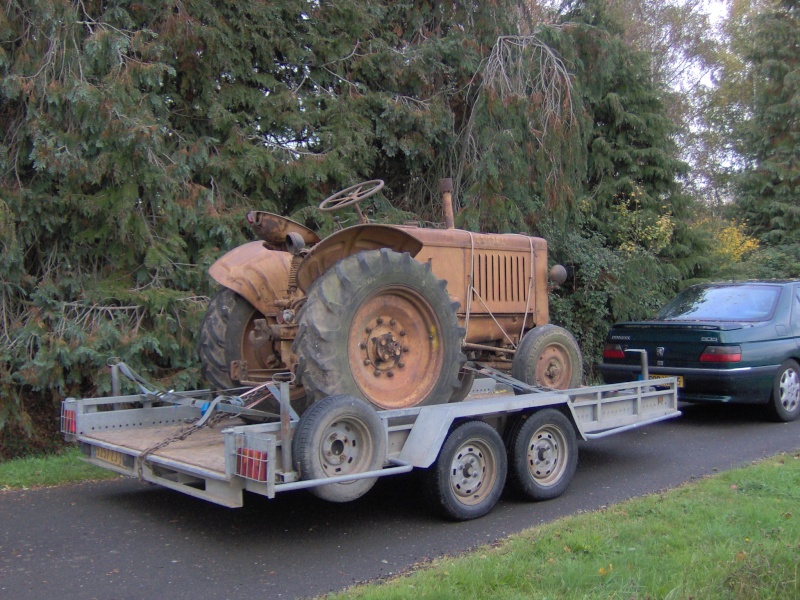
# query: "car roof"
{"type": "Point", "coordinates": [748, 282]}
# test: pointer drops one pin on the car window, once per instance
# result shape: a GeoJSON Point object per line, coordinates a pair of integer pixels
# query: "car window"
{"type": "Point", "coordinates": [722, 303]}
{"type": "Point", "coordinates": [796, 310]}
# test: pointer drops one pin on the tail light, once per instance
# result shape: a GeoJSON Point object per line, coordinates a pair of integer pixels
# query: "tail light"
{"type": "Point", "coordinates": [721, 354]}
{"type": "Point", "coordinates": [613, 351]}
{"type": "Point", "coordinates": [251, 464]}
{"type": "Point", "coordinates": [68, 421]}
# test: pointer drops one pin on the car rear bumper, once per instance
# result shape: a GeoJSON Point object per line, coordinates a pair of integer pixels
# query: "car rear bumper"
{"type": "Point", "coordinates": [745, 385]}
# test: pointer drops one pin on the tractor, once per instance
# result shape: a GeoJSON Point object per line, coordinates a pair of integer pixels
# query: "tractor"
{"type": "Point", "coordinates": [392, 314]}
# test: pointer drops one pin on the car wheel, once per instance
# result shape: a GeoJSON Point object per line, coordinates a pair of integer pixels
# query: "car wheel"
{"type": "Point", "coordinates": [784, 404]}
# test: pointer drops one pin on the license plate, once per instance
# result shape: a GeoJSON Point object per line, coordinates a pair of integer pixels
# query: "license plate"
{"type": "Point", "coordinates": [659, 376]}
{"type": "Point", "coordinates": [110, 456]}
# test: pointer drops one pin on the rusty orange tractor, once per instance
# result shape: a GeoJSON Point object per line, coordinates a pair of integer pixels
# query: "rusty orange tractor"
{"type": "Point", "coordinates": [388, 313]}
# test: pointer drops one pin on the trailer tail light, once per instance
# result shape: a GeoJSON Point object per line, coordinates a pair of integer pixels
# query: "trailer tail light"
{"type": "Point", "coordinates": [68, 424]}
{"type": "Point", "coordinates": [613, 351]}
{"type": "Point", "coordinates": [721, 354]}
{"type": "Point", "coordinates": [251, 464]}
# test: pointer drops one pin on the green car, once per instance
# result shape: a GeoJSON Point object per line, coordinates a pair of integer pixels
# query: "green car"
{"type": "Point", "coordinates": [725, 342]}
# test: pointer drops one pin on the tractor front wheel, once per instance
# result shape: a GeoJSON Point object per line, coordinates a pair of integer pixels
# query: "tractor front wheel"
{"type": "Point", "coordinates": [548, 356]}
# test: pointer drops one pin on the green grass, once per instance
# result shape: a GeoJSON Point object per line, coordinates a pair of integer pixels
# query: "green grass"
{"type": "Point", "coordinates": [49, 470]}
{"type": "Point", "coordinates": [735, 535]}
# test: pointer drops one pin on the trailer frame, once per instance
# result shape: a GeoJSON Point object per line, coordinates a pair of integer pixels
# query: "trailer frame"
{"type": "Point", "coordinates": [155, 437]}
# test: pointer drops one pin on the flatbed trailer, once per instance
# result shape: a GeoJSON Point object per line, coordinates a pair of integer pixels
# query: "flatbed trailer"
{"type": "Point", "coordinates": [504, 431]}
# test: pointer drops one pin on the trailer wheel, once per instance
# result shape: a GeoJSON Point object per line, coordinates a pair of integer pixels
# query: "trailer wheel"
{"type": "Point", "coordinates": [543, 455]}
{"type": "Point", "coordinates": [468, 477]}
{"type": "Point", "coordinates": [381, 326]}
{"type": "Point", "coordinates": [548, 356]}
{"type": "Point", "coordinates": [229, 333]}
{"type": "Point", "coordinates": [339, 435]}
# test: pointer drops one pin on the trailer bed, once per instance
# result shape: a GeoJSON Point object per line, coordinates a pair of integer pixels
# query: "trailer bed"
{"type": "Point", "coordinates": [159, 443]}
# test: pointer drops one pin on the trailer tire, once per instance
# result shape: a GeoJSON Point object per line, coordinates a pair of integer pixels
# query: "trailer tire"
{"type": "Point", "coordinates": [548, 356]}
{"type": "Point", "coordinates": [339, 435]}
{"type": "Point", "coordinates": [468, 477]}
{"type": "Point", "coordinates": [543, 455]}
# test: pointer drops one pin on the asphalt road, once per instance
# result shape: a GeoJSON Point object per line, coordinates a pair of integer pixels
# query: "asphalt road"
{"type": "Point", "coordinates": [124, 539]}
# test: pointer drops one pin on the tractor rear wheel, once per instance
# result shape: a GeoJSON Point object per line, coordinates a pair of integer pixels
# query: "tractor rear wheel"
{"type": "Point", "coordinates": [229, 333]}
{"type": "Point", "coordinates": [380, 326]}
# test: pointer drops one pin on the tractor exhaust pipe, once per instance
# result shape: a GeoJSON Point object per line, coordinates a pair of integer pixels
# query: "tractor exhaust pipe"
{"type": "Point", "coordinates": [446, 188]}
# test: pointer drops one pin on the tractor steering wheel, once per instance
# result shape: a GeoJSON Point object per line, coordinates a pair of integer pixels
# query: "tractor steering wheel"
{"type": "Point", "coordinates": [352, 195]}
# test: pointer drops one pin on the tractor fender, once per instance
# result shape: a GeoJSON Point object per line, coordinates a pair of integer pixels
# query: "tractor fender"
{"type": "Point", "coordinates": [353, 240]}
{"type": "Point", "coordinates": [259, 275]}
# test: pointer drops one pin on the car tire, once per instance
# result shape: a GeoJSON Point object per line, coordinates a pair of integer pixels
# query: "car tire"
{"type": "Point", "coordinates": [784, 404]}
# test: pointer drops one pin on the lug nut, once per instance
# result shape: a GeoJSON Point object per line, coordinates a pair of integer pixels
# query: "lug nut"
{"type": "Point", "coordinates": [390, 374]}
{"type": "Point", "coordinates": [405, 348]}
{"type": "Point", "coordinates": [403, 332]}
{"type": "Point", "coordinates": [362, 345]}
{"type": "Point", "coordinates": [380, 321]}
{"type": "Point", "coordinates": [401, 364]}
{"type": "Point", "coordinates": [367, 361]}
{"type": "Point", "coordinates": [392, 322]}
{"type": "Point", "coordinates": [377, 373]}
{"type": "Point", "coordinates": [369, 330]}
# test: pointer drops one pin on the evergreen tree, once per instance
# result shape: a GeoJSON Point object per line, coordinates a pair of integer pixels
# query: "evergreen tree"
{"type": "Point", "coordinates": [136, 135]}
{"type": "Point", "coordinates": [769, 188]}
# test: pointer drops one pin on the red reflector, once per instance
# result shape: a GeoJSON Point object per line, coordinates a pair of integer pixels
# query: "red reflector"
{"type": "Point", "coordinates": [68, 422]}
{"type": "Point", "coordinates": [613, 351]}
{"type": "Point", "coordinates": [721, 354]}
{"type": "Point", "coordinates": [251, 464]}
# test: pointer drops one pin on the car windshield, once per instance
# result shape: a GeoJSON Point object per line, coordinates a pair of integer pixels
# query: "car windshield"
{"type": "Point", "coordinates": [722, 303]}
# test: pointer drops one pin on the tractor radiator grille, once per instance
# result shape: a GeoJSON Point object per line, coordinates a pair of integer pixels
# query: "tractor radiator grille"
{"type": "Point", "coordinates": [500, 277]}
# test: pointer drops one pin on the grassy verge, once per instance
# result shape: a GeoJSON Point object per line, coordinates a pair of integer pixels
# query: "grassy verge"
{"type": "Point", "coordinates": [736, 535]}
{"type": "Point", "coordinates": [49, 470]}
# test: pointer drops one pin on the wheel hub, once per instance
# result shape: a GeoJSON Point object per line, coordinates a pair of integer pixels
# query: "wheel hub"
{"type": "Point", "coordinates": [394, 349]}
{"type": "Point", "coordinates": [384, 351]}
{"type": "Point", "coordinates": [790, 390]}
{"type": "Point", "coordinates": [545, 460]}
{"type": "Point", "coordinates": [552, 367]}
{"type": "Point", "coordinates": [468, 471]}
{"type": "Point", "coordinates": [543, 456]}
{"type": "Point", "coordinates": [340, 450]}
